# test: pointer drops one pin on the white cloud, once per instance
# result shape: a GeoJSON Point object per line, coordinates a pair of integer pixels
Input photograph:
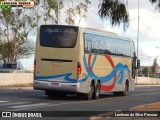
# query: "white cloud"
{"type": "Point", "coordinates": [147, 40]}
{"type": "Point", "coordinates": [149, 36]}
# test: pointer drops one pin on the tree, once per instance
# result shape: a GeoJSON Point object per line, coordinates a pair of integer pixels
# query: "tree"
{"type": "Point", "coordinates": [145, 72]}
{"type": "Point", "coordinates": [154, 66]}
{"type": "Point", "coordinates": [75, 10]}
{"type": "Point", "coordinates": [157, 4]}
{"type": "Point", "coordinates": [17, 24]}
{"type": "Point", "coordinates": [47, 10]}
{"type": "Point", "coordinates": [116, 11]}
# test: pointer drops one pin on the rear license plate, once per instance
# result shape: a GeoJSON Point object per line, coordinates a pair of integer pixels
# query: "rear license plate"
{"type": "Point", "coordinates": [55, 84]}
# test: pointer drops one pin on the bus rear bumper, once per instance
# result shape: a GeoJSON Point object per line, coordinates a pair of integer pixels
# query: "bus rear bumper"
{"type": "Point", "coordinates": [56, 86]}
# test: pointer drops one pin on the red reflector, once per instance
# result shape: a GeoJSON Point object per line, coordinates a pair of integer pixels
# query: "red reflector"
{"type": "Point", "coordinates": [79, 68]}
{"type": "Point", "coordinates": [34, 65]}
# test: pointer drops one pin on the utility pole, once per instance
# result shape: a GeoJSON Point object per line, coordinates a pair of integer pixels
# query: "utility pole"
{"type": "Point", "coordinates": [138, 38]}
{"type": "Point", "coordinates": [149, 66]}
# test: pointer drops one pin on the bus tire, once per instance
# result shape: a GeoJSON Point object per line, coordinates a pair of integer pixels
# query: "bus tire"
{"type": "Point", "coordinates": [50, 96]}
{"type": "Point", "coordinates": [123, 93]}
{"type": "Point", "coordinates": [127, 85]}
{"type": "Point", "coordinates": [126, 88]}
{"type": "Point", "coordinates": [89, 95]}
{"type": "Point", "coordinates": [96, 91]}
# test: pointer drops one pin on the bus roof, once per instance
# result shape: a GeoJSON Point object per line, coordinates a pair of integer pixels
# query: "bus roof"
{"type": "Point", "coordinates": [98, 30]}
{"type": "Point", "coordinates": [102, 32]}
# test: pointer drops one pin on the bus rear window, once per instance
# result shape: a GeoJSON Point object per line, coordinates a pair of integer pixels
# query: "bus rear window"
{"type": "Point", "coordinates": [58, 36]}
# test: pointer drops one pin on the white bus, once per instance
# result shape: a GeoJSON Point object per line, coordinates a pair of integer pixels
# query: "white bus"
{"type": "Point", "coordinates": [71, 59]}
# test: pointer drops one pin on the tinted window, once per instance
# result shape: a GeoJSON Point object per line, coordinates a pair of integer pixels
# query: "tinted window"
{"type": "Point", "coordinates": [106, 45]}
{"type": "Point", "coordinates": [10, 66]}
{"type": "Point", "coordinates": [21, 66]}
{"type": "Point", "coordinates": [58, 36]}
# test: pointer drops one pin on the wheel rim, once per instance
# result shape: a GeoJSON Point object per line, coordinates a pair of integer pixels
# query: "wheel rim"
{"type": "Point", "coordinates": [126, 87]}
{"type": "Point", "coordinates": [97, 91]}
{"type": "Point", "coordinates": [97, 94]}
{"type": "Point", "coordinates": [91, 93]}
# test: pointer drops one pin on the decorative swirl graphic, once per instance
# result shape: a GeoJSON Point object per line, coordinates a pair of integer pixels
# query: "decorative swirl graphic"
{"type": "Point", "coordinates": [88, 66]}
{"type": "Point", "coordinates": [107, 78]}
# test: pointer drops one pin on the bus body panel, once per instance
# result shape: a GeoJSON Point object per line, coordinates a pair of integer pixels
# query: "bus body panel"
{"type": "Point", "coordinates": [109, 70]}
{"type": "Point", "coordinates": [56, 68]}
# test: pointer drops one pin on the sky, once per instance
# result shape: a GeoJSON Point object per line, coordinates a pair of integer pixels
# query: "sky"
{"type": "Point", "coordinates": [149, 27]}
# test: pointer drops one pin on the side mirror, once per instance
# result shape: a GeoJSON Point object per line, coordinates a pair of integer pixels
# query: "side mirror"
{"type": "Point", "coordinates": [138, 64]}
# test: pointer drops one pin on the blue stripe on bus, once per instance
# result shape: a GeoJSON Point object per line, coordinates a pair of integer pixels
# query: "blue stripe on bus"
{"type": "Point", "coordinates": [49, 77]}
{"type": "Point", "coordinates": [118, 67]}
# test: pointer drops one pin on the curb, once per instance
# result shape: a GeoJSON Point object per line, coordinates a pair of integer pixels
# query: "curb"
{"type": "Point", "coordinates": [16, 88]}
{"type": "Point", "coordinates": [147, 107]}
{"type": "Point", "coordinates": [147, 85]}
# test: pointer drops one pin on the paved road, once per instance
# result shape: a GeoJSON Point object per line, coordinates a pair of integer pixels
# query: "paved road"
{"type": "Point", "coordinates": [33, 100]}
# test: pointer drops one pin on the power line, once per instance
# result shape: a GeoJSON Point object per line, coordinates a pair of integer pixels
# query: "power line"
{"type": "Point", "coordinates": [93, 11]}
{"type": "Point", "coordinates": [133, 19]}
{"type": "Point", "coordinates": [149, 29]}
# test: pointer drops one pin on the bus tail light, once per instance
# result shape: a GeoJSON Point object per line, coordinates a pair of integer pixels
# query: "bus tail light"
{"type": "Point", "coordinates": [79, 69]}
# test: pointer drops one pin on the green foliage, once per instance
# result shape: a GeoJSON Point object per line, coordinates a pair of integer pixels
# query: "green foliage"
{"type": "Point", "coordinates": [5, 51]}
{"type": "Point", "coordinates": [157, 3]}
{"type": "Point", "coordinates": [115, 11]}
{"type": "Point", "coordinates": [154, 66]}
{"type": "Point", "coordinates": [47, 10]}
{"type": "Point", "coordinates": [76, 10]}
{"type": "Point", "coordinates": [24, 50]}
{"type": "Point", "coordinates": [145, 72]}
{"type": "Point", "coordinates": [17, 25]}
{"type": "Point", "coordinates": [73, 9]}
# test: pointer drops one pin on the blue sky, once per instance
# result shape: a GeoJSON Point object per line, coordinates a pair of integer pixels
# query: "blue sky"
{"type": "Point", "coordinates": [149, 37]}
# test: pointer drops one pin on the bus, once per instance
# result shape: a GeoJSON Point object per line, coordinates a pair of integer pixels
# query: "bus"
{"type": "Point", "coordinates": [85, 61]}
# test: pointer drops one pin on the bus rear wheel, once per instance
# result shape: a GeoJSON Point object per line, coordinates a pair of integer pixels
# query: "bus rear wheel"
{"type": "Point", "coordinates": [96, 91]}
{"type": "Point", "coordinates": [123, 93]}
{"type": "Point", "coordinates": [89, 95]}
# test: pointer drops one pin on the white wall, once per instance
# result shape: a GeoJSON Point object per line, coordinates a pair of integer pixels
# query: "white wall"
{"type": "Point", "coordinates": [15, 79]}
{"type": "Point", "coordinates": [12, 79]}
{"type": "Point", "coordinates": [148, 81]}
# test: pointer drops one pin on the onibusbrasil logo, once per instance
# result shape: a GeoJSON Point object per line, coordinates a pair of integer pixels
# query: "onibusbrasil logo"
{"type": "Point", "coordinates": [5, 7]}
